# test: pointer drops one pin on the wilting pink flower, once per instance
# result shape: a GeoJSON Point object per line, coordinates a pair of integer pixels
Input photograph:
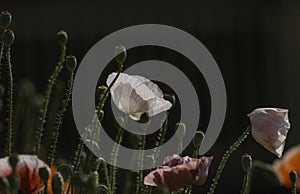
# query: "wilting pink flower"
{"type": "Point", "coordinates": [270, 127]}
{"type": "Point", "coordinates": [289, 162]}
{"type": "Point", "coordinates": [135, 95]}
{"type": "Point", "coordinates": [177, 172]}
{"type": "Point", "coordinates": [27, 170]}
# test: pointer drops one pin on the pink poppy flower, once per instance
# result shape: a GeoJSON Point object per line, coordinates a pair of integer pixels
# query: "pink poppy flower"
{"type": "Point", "coordinates": [270, 127]}
{"type": "Point", "coordinates": [177, 172]}
{"type": "Point", "coordinates": [28, 171]}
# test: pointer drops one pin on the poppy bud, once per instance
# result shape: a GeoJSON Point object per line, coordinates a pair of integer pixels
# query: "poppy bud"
{"type": "Point", "coordinates": [5, 19]}
{"type": "Point", "coordinates": [100, 115]}
{"type": "Point", "coordinates": [71, 63]}
{"type": "Point", "coordinates": [57, 183]}
{"type": "Point", "coordinates": [13, 161]}
{"type": "Point", "coordinates": [120, 55]}
{"type": "Point", "coordinates": [246, 161]}
{"type": "Point", "coordinates": [4, 185]}
{"type": "Point", "coordinates": [62, 37]}
{"type": "Point", "coordinates": [149, 161]}
{"type": "Point", "coordinates": [198, 137]}
{"type": "Point", "coordinates": [293, 177]}
{"type": "Point", "coordinates": [8, 37]}
{"type": "Point", "coordinates": [100, 91]}
{"type": "Point", "coordinates": [144, 118]}
{"type": "Point", "coordinates": [170, 98]}
{"type": "Point", "coordinates": [44, 173]}
{"type": "Point", "coordinates": [181, 130]}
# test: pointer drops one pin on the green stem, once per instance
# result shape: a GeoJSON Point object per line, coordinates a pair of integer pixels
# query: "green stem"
{"type": "Point", "coordinates": [139, 178]}
{"type": "Point", "coordinates": [10, 104]}
{"type": "Point", "coordinates": [225, 158]}
{"type": "Point", "coordinates": [188, 189]}
{"type": "Point", "coordinates": [161, 135]}
{"type": "Point", "coordinates": [51, 83]}
{"type": "Point", "coordinates": [1, 53]}
{"type": "Point", "coordinates": [106, 178]}
{"type": "Point", "coordinates": [60, 118]}
{"type": "Point", "coordinates": [245, 183]}
{"type": "Point", "coordinates": [114, 159]}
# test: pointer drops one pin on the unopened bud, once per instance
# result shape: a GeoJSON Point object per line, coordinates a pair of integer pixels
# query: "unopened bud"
{"type": "Point", "coordinates": [5, 19]}
{"type": "Point", "coordinates": [8, 37]}
{"type": "Point", "coordinates": [62, 37]}
{"type": "Point", "coordinates": [170, 98]}
{"type": "Point", "coordinates": [120, 54]}
{"type": "Point", "coordinates": [181, 130]}
{"type": "Point", "coordinates": [44, 174]}
{"type": "Point", "coordinates": [71, 63]}
{"type": "Point", "coordinates": [246, 162]}
{"type": "Point", "coordinates": [198, 138]}
{"type": "Point", "coordinates": [57, 184]}
{"type": "Point", "coordinates": [293, 177]}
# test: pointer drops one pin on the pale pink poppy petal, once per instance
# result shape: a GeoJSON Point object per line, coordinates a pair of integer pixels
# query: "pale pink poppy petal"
{"type": "Point", "coordinates": [270, 127]}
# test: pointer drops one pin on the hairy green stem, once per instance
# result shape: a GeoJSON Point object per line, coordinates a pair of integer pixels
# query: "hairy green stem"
{"type": "Point", "coordinates": [245, 183]}
{"type": "Point", "coordinates": [225, 158]}
{"type": "Point", "coordinates": [114, 158]}
{"type": "Point", "coordinates": [10, 103]}
{"type": "Point", "coordinates": [1, 54]}
{"type": "Point", "coordinates": [107, 178]}
{"type": "Point", "coordinates": [51, 83]}
{"type": "Point", "coordinates": [139, 178]}
{"type": "Point", "coordinates": [161, 135]}
{"type": "Point", "coordinates": [60, 118]}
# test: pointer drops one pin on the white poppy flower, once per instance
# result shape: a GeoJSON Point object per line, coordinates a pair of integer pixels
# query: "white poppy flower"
{"type": "Point", "coordinates": [270, 127]}
{"type": "Point", "coordinates": [135, 95]}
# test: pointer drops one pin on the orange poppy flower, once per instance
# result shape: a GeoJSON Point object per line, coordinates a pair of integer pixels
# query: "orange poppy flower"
{"type": "Point", "coordinates": [289, 162]}
{"type": "Point", "coordinates": [28, 171]}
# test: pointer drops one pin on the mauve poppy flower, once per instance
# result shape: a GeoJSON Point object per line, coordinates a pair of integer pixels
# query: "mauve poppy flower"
{"type": "Point", "coordinates": [135, 95]}
{"type": "Point", "coordinates": [289, 162]}
{"type": "Point", "coordinates": [270, 127]}
{"type": "Point", "coordinates": [177, 172]}
{"type": "Point", "coordinates": [28, 171]}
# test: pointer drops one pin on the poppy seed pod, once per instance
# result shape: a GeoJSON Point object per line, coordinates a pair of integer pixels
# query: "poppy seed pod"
{"type": "Point", "coordinates": [62, 37]}
{"type": "Point", "coordinates": [144, 118]}
{"type": "Point", "coordinates": [5, 19]}
{"type": "Point", "coordinates": [198, 138]}
{"type": "Point", "coordinates": [120, 54]}
{"type": "Point", "coordinates": [71, 63]}
{"type": "Point", "coordinates": [181, 130]}
{"type": "Point", "coordinates": [57, 183]}
{"type": "Point", "coordinates": [246, 162]}
{"type": "Point", "coordinates": [8, 37]}
{"type": "Point", "coordinates": [270, 127]}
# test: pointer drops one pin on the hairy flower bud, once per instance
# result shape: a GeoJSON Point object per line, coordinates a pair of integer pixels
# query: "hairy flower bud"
{"type": "Point", "coordinates": [62, 37]}
{"type": "Point", "coordinates": [8, 37]}
{"type": "Point", "coordinates": [5, 19]}
{"type": "Point", "coordinates": [246, 161]}
{"type": "Point", "coordinates": [71, 63]}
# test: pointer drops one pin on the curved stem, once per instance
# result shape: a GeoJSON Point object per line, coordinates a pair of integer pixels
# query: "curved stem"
{"type": "Point", "coordinates": [10, 103]}
{"type": "Point", "coordinates": [51, 83]}
{"type": "Point", "coordinates": [60, 118]}
{"type": "Point", "coordinates": [245, 183]}
{"type": "Point", "coordinates": [226, 156]}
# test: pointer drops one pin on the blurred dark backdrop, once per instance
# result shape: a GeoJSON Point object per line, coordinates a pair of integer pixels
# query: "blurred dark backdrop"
{"type": "Point", "coordinates": [256, 45]}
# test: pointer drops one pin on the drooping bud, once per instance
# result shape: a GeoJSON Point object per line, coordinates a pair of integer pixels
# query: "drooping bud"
{"type": "Point", "coordinates": [120, 55]}
{"type": "Point", "coordinates": [198, 138]}
{"type": "Point", "coordinates": [62, 37]}
{"type": "Point", "coordinates": [149, 161]}
{"type": "Point", "coordinates": [8, 37]}
{"type": "Point", "coordinates": [181, 130]}
{"type": "Point", "coordinates": [246, 162]}
{"type": "Point", "coordinates": [5, 19]}
{"type": "Point", "coordinates": [71, 63]}
{"type": "Point", "coordinates": [57, 184]}
{"type": "Point", "coordinates": [170, 98]}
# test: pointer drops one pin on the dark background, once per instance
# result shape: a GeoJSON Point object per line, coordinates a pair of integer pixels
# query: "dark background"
{"type": "Point", "coordinates": [256, 45]}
